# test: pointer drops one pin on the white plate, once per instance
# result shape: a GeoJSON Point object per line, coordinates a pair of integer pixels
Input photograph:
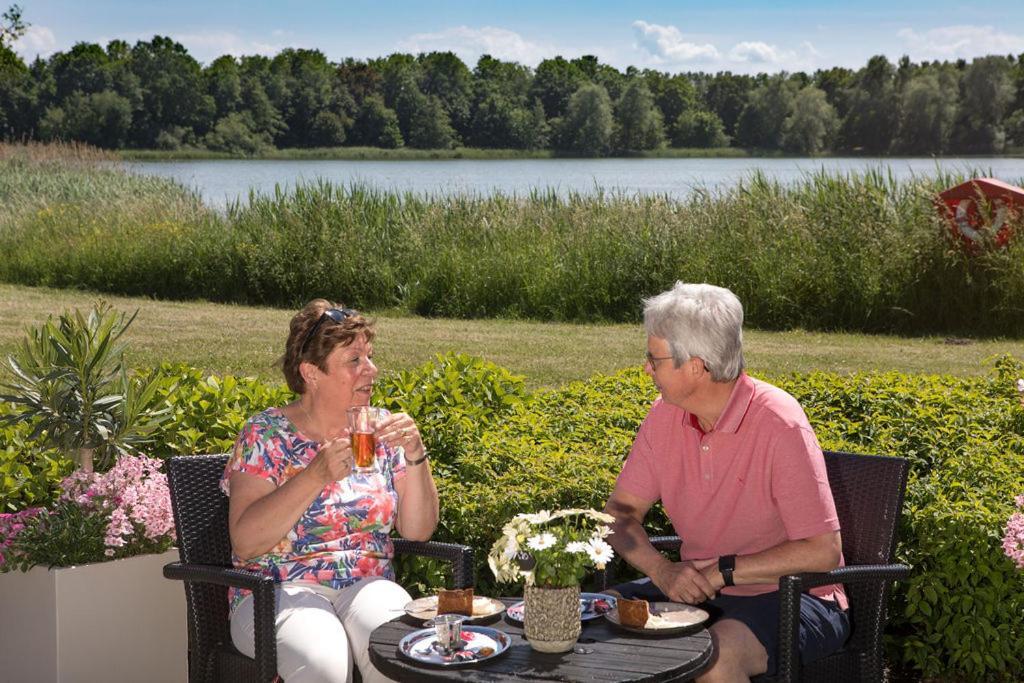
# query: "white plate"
{"type": "Point", "coordinates": [666, 618]}
{"type": "Point", "coordinates": [592, 606]}
{"type": "Point", "coordinates": [483, 608]}
{"type": "Point", "coordinates": [480, 643]}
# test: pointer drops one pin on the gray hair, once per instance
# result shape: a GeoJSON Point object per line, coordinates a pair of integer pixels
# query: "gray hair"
{"type": "Point", "coordinates": [699, 320]}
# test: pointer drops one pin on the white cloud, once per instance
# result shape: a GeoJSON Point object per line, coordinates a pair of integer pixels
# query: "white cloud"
{"type": "Point", "coordinates": [953, 42]}
{"type": "Point", "coordinates": [809, 48]}
{"type": "Point", "coordinates": [470, 43]}
{"type": "Point", "coordinates": [758, 53]}
{"type": "Point", "coordinates": [206, 46]}
{"type": "Point", "coordinates": [37, 41]}
{"type": "Point", "coordinates": [667, 45]}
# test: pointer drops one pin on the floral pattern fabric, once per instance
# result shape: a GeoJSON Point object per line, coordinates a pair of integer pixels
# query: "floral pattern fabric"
{"type": "Point", "coordinates": [344, 535]}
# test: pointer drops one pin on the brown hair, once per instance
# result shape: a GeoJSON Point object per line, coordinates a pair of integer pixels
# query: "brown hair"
{"type": "Point", "coordinates": [329, 335]}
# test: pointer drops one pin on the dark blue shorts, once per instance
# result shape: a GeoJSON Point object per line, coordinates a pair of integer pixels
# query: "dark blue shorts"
{"type": "Point", "coordinates": [824, 627]}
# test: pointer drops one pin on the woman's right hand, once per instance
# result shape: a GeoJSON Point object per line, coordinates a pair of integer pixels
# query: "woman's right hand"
{"type": "Point", "coordinates": [334, 460]}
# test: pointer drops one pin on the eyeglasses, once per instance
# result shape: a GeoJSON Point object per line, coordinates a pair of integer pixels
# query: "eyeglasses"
{"type": "Point", "coordinates": [653, 360]}
{"type": "Point", "coordinates": [338, 315]}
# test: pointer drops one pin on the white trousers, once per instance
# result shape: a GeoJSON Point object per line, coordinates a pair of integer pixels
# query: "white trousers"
{"type": "Point", "coordinates": [321, 631]}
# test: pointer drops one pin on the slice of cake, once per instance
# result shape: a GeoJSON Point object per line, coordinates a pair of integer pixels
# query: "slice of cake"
{"type": "Point", "coordinates": [632, 613]}
{"type": "Point", "coordinates": [455, 601]}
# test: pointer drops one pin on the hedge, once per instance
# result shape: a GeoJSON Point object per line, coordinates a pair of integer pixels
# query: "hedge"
{"type": "Point", "coordinates": [499, 450]}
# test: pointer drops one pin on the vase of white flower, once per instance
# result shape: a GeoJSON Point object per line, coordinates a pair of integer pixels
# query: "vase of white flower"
{"type": "Point", "coordinates": [551, 552]}
{"type": "Point", "coordinates": [551, 618]}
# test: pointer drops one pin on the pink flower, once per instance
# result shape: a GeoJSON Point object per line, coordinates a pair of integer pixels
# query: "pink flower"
{"type": "Point", "coordinates": [132, 498]}
{"type": "Point", "coordinates": [139, 501]}
{"type": "Point", "coordinates": [1013, 538]}
{"type": "Point", "coordinates": [11, 524]}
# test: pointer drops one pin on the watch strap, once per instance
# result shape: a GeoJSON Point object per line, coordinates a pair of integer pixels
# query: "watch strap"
{"type": "Point", "coordinates": [726, 566]}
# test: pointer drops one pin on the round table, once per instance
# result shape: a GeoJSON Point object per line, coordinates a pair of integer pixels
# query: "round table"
{"type": "Point", "coordinates": [603, 653]}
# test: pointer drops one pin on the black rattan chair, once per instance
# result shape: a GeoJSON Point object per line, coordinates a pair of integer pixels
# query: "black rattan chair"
{"type": "Point", "coordinates": [201, 521]}
{"type": "Point", "coordinates": [868, 492]}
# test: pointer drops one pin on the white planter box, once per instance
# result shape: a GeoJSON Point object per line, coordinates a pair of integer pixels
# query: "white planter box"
{"type": "Point", "coordinates": [111, 621]}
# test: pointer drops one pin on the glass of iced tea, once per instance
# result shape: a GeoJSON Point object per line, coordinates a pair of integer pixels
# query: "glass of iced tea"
{"type": "Point", "coordinates": [362, 423]}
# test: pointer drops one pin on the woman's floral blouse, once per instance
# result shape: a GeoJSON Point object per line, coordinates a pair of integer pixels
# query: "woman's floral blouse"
{"type": "Point", "coordinates": [344, 534]}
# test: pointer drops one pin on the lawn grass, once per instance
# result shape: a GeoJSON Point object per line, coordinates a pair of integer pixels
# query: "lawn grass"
{"type": "Point", "coordinates": [246, 340]}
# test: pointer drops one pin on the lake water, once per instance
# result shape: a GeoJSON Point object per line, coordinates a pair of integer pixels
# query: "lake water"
{"type": "Point", "coordinates": [220, 182]}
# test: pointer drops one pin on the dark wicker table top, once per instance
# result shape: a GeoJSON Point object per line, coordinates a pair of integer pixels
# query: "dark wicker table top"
{"type": "Point", "coordinates": [604, 653]}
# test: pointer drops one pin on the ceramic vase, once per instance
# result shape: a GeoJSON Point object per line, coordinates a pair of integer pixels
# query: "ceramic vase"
{"type": "Point", "coordinates": [551, 618]}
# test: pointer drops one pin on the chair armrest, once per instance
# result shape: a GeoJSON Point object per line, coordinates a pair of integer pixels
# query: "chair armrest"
{"type": "Point", "coordinates": [862, 573]}
{"type": "Point", "coordinates": [216, 574]}
{"type": "Point", "coordinates": [262, 588]}
{"type": "Point", "coordinates": [460, 557]}
{"type": "Point", "coordinates": [790, 588]}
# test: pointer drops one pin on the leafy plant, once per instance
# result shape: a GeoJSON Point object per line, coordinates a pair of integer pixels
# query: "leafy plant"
{"type": "Point", "coordinates": [451, 397]}
{"type": "Point", "coordinates": [69, 381]}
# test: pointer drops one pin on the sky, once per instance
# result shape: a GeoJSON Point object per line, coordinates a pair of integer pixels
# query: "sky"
{"type": "Point", "coordinates": [738, 36]}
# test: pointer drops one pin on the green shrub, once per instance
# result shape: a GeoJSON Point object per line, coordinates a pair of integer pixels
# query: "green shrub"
{"type": "Point", "coordinates": [450, 398]}
{"type": "Point", "coordinates": [207, 412]}
{"type": "Point", "coordinates": [29, 473]}
{"type": "Point", "coordinates": [959, 614]}
{"type": "Point", "coordinates": [963, 437]}
{"type": "Point", "coordinates": [498, 451]}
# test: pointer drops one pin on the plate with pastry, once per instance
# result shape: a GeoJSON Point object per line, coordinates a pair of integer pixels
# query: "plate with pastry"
{"type": "Point", "coordinates": [592, 606]}
{"type": "Point", "coordinates": [476, 608]}
{"type": "Point", "coordinates": [656, 618]}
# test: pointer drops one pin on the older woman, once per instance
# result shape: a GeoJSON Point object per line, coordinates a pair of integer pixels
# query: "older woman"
{"type": "Point", "coordinates": [299, 514]}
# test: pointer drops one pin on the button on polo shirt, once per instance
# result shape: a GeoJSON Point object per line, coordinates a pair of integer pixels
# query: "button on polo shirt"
{"type": "Point", "coordinates": [755, 480]}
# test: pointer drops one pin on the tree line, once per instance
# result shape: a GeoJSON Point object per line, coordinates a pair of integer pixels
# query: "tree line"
{"type": "Point", "coordinates": [155, 95]}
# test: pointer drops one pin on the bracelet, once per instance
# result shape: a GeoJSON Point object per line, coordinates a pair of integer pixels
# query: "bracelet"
{"type": "Point", "coordinates": [418, 461]}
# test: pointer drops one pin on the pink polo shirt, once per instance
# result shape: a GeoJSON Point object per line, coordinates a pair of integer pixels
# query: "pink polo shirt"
{"type": "Point", "coordinates": [756, 480]}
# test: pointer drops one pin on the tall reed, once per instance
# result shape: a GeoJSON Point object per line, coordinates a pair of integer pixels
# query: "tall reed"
{"type": "Point", "coordinates": [857, 251]}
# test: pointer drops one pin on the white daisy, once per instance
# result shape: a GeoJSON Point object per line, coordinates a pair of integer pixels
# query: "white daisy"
{"type": "Point", "coordinates": [541, 542]}
{"type": "Point", "coordinates": [1020, 385]}
{"type": "Point", "coordinates": [600, 552]}
{"type": "Point", "coordinates": [576, 547]}
{"type": "Point", "coordinates": [538, 517]}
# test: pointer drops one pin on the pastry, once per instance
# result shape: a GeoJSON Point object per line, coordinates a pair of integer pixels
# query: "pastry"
{"type": "Point", "coordinates": [455, 602]}
{"type": "Point", "coordinates": [632, 613]}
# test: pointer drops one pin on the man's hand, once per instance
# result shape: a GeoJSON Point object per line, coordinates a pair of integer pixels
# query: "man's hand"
{"type": "Point", "coordinates": [683, 582]}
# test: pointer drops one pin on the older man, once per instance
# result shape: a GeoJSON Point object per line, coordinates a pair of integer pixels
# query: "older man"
{"type": "Point", "coordinates": [740, 473]}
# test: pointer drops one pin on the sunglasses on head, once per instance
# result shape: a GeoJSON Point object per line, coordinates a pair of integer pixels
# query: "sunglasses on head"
{"type": "Point", "coordinates": [337, 315]}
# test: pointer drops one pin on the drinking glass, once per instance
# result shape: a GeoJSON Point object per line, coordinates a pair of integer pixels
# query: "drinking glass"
{"type": "Point", "coordinates": [448, 628]}
{"type": "Point", "coordinates": [362, 423]}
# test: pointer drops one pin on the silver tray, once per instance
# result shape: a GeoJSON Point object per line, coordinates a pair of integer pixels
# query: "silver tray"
{"type": "Point", "coordinates": [592, 606]}
{"type": "Point", "coordinates": [480, 643]}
